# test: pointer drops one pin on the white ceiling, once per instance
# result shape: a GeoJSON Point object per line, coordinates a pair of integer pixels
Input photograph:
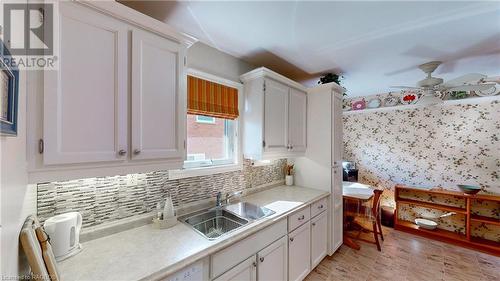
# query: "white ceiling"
{"type": "Point", "coordinates": [374, 44]}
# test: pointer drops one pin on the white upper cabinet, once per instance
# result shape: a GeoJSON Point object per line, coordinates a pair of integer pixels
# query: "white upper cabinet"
{"type": "Point", "coordinates": [297, 129]}
{"type": "Point", "coordinates": [85, 102]}
{"type": "Point", "coordinates": [157, 99]}
{"type": "Point", "coordinates": [275, 116]}
{"type": "Point", "coordinates": [337, 142]}
{"type": "Point", "coordinates": [118, 96]}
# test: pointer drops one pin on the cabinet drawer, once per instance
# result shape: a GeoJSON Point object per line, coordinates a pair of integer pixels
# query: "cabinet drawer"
{"type": "Point", "coordinates": [234, 254]}
{"type": "Point", "coordinates": [319, 206]}
{"type": "Point", "coordinates": [298, 218]}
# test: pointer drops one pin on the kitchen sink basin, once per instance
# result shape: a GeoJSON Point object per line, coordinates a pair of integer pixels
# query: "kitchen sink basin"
{"type": "Point", "coordinates": [215, 222]}
{"type": "Point", "coordinates": [249, 211]}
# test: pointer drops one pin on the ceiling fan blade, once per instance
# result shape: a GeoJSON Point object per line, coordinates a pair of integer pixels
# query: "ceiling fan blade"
{"type": "Point", "coordinates": [464, 79]}
{"type": "Point", "coordinates": [479, 87]}
{"type": "Point", "coordinates": [406, 87]}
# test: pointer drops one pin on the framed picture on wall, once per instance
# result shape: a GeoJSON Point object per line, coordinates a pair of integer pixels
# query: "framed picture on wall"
{"type": "Point", "coordinates": [9, 95]}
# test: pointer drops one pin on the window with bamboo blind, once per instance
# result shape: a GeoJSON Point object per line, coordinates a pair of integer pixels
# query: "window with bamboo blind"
{"type": "Point", "coordinates": [211, 123]}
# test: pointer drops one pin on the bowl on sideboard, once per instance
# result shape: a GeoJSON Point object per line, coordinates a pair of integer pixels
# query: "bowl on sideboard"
{"type": "Point", "coordinates": [469, 189]}
{"type": "Point", "coordinates": [426, 224]}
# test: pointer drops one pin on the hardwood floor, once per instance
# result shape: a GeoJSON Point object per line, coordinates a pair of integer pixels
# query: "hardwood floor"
{"type": "Point", "coordinates": [407, 257]}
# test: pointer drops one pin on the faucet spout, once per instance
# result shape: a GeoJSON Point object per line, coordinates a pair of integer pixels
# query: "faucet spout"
{"type": "Point", "coordinates": [218, 199]}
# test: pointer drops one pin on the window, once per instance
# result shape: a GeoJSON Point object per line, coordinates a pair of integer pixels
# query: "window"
{"type": "Point", "coordinates": [205, 119]}
{"type": "Point", "coordinates": [212, 125]}
{"type": "Point", "coordinates": [211, 141]}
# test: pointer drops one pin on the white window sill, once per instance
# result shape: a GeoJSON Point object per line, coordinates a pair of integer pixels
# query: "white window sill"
{"type": "Point", "coordinates": [203, 171]}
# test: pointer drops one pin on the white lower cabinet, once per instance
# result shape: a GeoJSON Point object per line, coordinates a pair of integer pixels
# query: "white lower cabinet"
{"type": "Point", "coordinates": [272, 261]}
{"type": "Point", "coordinates": [299, 253]}
{"type": "Point", "coordinates": [319, 228]}
{"type": "Point", "coordinates": [245, 271]}
{"type": "Point", "coordinates": [271, 254]}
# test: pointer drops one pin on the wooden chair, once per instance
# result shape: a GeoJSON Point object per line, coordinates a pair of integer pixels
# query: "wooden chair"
{"type": "Point", "coordinates": [368, 219]}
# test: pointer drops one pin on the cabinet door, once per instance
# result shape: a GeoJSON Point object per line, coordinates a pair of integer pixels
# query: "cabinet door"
{"type": "Point", "coordinates": [337, 142]}
{"type": "Point", "coordinates": [272, 261]}
{"type": "Point", "coordinates": [275, 117]}
{"type": "Point", "coordinates": [337, 227]}
{"type": "Point", "coordinates": [319, 241]}
{"type": "Point", "coordinates": [297, 112]}
{"type": "Point", "coordinates": [299, 253]}
{"type": "Point", "coordinates": [158, 113]}
{"type": "Point", "coordinates": [245, 271]}
{"type": "Point", "coordinates": [85, 101]}
{"type": "Point", "coordinates": [337, 215]}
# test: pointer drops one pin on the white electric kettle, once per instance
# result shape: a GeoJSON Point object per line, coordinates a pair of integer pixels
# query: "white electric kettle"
{"type": "Point", "coordinates": [64, 234]}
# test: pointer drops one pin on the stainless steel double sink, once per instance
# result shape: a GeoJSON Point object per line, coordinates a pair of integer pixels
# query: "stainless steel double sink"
{"type": "Point", "coordinates": [215, 222]}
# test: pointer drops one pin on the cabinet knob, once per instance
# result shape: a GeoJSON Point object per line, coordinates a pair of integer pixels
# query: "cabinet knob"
{"type": "Point", "coordinates": [122, 152]}
{"type": "Point", "coordinates": [261, 259]}
{"type": "Point", "coordinates": [137, 151]}
{"type": "Point", "coordinates": [291, 239]}
{"type": "Point", "coordinates": [313, 224]}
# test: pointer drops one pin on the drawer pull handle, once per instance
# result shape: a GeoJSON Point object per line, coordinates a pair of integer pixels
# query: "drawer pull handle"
{"type": "Point", "coordinates": [137, 151]}
{"type": "Point", "coordinates": [291, 239]}
{"type": "Point", "coordinates": [301, 218]}
{"type": "Point", "coordinates": [320, 206]}
{"type": "Point", "coordinates": [122, 152]}
{"type": "Point", "coordinates": [262, 259]}
{"type": "Point", "coordinates": [254, 264]}
{"type": "Point", "coordinates": [313, 224]}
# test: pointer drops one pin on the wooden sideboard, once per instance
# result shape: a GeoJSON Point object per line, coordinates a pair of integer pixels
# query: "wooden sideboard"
{"type": "Point", "coordinates": [466, 209]}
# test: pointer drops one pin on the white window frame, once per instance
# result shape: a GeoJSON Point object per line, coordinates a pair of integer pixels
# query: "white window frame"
{"type": "Point", "coordinates": [198, 120]}
{"type": "Point", "coordinates": [215, 167]}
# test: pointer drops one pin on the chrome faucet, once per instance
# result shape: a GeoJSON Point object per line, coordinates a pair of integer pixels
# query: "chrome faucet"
{"type": "Point", "coordinates": [218, 202]}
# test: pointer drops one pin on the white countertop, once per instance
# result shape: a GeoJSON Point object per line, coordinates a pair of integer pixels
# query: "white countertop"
{"type": "Point", "coordinates": [148, 253]}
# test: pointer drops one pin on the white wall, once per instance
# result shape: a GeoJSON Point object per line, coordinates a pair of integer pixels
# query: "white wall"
{"type": "Point", "coordinates": [17, 199]}
{"type": "Point", "coordinates": [210, 60]}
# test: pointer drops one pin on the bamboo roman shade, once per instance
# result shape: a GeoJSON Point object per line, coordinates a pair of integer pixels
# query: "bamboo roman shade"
{"type": "Point", "coordinates": [211, 99]}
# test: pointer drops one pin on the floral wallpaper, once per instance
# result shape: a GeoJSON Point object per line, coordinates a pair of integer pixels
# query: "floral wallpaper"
{"type": "Point", "coordinates": [435, 146]}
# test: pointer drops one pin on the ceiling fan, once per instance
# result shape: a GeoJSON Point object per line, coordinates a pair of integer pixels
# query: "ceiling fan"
{"type": "Point", "coordinates": [434, 88]}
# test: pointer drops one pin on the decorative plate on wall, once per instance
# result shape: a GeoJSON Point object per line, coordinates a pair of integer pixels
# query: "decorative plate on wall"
{"type": "Point", "coordinates": [490, 92]}
{"type": "Point", "coordinates": [346, 105]}
{"type": "Point", "coordinates": [374, 103]}
{"type": "Point", "coordinates": [391, 100]}
{"type": "Point", "coordinates": [358, 105]}
{"type": "Point", "coordinates": [409, 98]}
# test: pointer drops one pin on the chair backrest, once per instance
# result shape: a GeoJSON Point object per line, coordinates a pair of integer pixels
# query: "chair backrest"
{"type": "Point", "coordinates": [377, 193]}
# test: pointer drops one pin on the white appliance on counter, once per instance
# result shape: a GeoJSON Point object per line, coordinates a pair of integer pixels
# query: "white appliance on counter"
{"type": "Point", "coordinates": [64, 234]}
{"type": "Point", "coordinates": [321, 167]}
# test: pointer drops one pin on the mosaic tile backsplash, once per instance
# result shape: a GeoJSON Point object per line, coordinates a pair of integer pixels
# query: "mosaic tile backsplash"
{"type": "Point", "coordinates": [107, 199]}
